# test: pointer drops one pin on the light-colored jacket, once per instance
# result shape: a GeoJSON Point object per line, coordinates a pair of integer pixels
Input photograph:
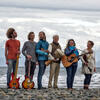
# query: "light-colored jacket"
{"type": "Point", "coordinates": [52, 51]}
{"type": "Point", "coordinates": [88, 69]}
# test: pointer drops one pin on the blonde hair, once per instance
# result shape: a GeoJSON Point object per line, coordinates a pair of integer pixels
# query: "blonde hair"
{"type": "Point", "coordinates": [55, 36]}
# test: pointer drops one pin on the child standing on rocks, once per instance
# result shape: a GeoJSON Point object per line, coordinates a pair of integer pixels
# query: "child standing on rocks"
{"type": "Point", "coordinates": [12, 49]}
{"type": "Point", "coordinates": [28, 51]}
{"type": "Point", "coordinates": [88, 64]}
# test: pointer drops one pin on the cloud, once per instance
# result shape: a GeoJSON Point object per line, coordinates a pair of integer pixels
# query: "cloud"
{"type": "Point", "coordinates": [54, 4]}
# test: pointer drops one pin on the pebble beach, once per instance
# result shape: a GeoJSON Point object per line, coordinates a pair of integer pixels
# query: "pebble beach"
{"type": "Point", "coordinates": [49, 94]}
{"type": "Point", "coordinates": [62, 93]}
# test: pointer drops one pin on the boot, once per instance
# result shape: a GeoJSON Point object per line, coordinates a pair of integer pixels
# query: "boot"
{"type": "Point", "coordinates": [86, 87]}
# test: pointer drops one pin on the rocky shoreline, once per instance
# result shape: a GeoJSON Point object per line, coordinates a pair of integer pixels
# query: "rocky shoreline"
{"type": "Point", "coordinates": [49, 94]}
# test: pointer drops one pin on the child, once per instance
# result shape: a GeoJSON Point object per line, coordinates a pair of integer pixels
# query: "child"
{"type": "Point", "coordinates": [88, 64]}
{"type": "Point", "coordinates": [12, 49]}
{"type": "Point", "coordinates": [28, 51]}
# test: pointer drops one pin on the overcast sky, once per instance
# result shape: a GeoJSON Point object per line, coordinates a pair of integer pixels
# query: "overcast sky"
{"type": "Point", "coordinates": [53, 4]}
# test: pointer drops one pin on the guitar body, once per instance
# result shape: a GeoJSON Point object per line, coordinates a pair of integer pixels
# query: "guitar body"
{"type": "Point", "coordinates": [14, 83]}
{"type": "Point", "coordinates": [27, 84]}
{"type": "Point", "coordinates": [67, 61]}
{"type": "Point", "coordinates": [85, 58]}
{"type": "Point", "coordinates": [58, 54]}
{"type": "Point", "coordinates": [48, 62]}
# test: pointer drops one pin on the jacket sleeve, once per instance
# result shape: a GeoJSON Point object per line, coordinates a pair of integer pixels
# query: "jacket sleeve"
{"type": "Point", "coordinates": [68, 52]}
{"type": "Point", "coordinates": [83, 61]}
{"type": "Point", "coordinates": [94, 59]}
{"type": "Point", "coordinates": [50, 50]}
{"type": "Point", "coordinates": [38, 51]}
{"type": "Point", "coordinates": [24, 49]}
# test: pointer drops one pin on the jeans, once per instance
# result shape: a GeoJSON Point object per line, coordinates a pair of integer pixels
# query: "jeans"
{"type": "Point", "coordinates": [32, 68]}
{"type": "Point", "coordinates": [71, 70]}
{"type": "Point", "coordinates": [87, 79]}
{"type": "Point", "coordinates": [11, 66]}
{"type": "Point", "coordinates": [42, 68]}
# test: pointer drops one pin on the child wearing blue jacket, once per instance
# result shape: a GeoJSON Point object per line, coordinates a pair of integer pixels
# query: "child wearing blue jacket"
{"type": "Point", "coordinates": [42, 54]}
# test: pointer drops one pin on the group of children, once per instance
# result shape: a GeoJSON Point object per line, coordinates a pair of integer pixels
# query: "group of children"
{"type": "Point", "coordinates": [37, 53]}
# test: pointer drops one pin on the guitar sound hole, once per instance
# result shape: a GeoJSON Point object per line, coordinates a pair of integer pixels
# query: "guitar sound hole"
{"type": "Point", "coordinates": [71, 60]}
{"type": "Point", "coordinates": [14, 83]}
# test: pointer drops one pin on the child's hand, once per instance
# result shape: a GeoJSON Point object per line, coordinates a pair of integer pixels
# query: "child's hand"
{"type": "Point", "coordinates": [7, 62]}
{"type": "Point", "coordinates": [94, 69]}
{"type": "Point", "coordinates": [37, 63]}
{"type": "Point", "coordinates": [18, 52]}
{"type": "Point", "coordinates": [29, 57]}
{"type": "Point", "coordinates": [86, 63]}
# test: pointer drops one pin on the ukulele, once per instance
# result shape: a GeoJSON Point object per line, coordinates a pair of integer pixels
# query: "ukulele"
{"type": "Point", "coordinates": [14, 83]}
{"type": "Point", "coordinates": [27, 83]}
{"type": "Point", "coordinates": [58, 54]}
{"type": "Point", "coordinates": [67, 61]}
{"type": "Point", "coordinates": [48, 62]}
{"type": "Point", "coordinates": [86, 60]}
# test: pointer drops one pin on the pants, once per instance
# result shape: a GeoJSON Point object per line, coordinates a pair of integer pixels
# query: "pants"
{"type": "Point", "coordinates": [87, 79]}
{"type": "Point", "coordinates": [41, 71]}
{"type": "Point", "coordinates": [11, 66]}
{"type": "Point", "coordinates": [54, 72]}
{"type": "Point", "coordinates": [71, 74]}
{"type": "Point", "coordinates": [32, 68]}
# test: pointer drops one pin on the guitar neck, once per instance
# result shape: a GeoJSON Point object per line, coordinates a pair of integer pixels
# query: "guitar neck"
{"type": "Point", "coordinates": [84, 54]}
{"type": "Point", "coordinates": [15, 75]}
{"type": "Point", "coordinates": [29, 68]}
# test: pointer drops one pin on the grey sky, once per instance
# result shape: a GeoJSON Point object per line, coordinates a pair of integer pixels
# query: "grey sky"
{"type": "Point", "coordinates": [54, 4]}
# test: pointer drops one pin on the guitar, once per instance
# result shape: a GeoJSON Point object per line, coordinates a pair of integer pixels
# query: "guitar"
{"type": "Point", "coordinates": [58, 54]}
{"type": "Point", "coordinates": [48, 62]}
{"type": "Point", "coordinates": [86, 60]}
{"type": "Point", "coordinates": [14, 83]}
{"type": "Point", "coordinates": [27, 83]}
{"type": "Point", "coordinates": [67, 61]}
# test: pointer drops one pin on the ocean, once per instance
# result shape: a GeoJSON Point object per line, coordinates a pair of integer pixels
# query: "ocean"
{"type": "Point", "coordinates": [78, 82]}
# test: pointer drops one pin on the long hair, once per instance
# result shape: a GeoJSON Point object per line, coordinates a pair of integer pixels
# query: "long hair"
{"type": "Point", "coordinates": [10, 32]}
{"type": "Point", "coordinates": [67, 46]}
{"type": "Point", "coordinates": [92, 43]}
{"type": "Point", "coordinates": [30, 35]}
{"type": "Point", "coordinates": [43, 34]}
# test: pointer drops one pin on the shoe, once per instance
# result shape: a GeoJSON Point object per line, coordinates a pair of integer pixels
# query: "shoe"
{"type": "Point", "coordinates": [55, 87]}
{"type": "Point", "coordinates": [70, 88]}
{"type": "Point", "coordinates": [43, 87]}
{"type": "Point", "coordinates": [8, 87]}
{"type": "Point", "coordinates": [39, 88]}
{"type": "Point", "coordinates": [49, 86]}
{"type": "Point", "coordinates": [86, 88]}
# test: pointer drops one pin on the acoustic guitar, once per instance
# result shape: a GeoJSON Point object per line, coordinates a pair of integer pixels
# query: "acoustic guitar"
{"type": "Point", "coordinates": [86, 60]}
{"type": "Point", "coordinates": [67, 61]}
{"type": "Point", "coordinates": [14, 83]}
{"type": "Point", "coordinates": [58, 54]}
{"type": "Point", "coordinates": [48, 62]}
{"type": "Point", "coordinates": [27, 83]}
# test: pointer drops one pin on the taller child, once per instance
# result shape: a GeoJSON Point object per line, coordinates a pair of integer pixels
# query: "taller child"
{"type": "Point", "coordinates": [42, 52]}
{"type": "Point", "coordinates": [12, 49]}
